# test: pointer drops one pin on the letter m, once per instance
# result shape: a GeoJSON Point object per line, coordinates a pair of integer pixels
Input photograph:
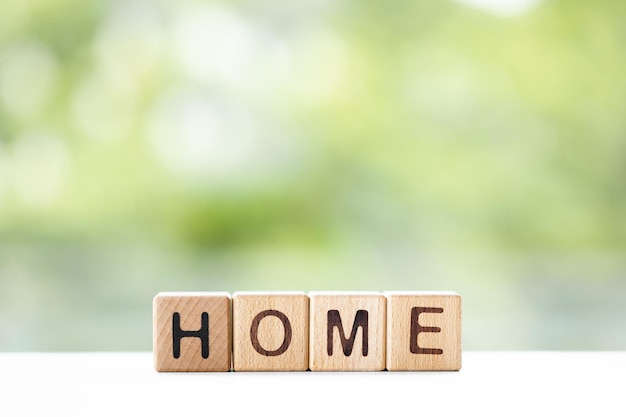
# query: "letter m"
{"type": "Point", "coordinates": [334, 320]}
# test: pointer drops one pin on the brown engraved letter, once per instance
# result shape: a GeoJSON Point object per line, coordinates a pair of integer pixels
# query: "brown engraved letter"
{"type": "Point", "coordinates": [254, 333]}
{"type": "Point", "coordinates": [334, 320]}
{"type": "Point", "coordinates": [416, 329]}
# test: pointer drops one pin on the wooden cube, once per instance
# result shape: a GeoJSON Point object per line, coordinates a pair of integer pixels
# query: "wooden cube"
{"type": "Point", "coordinates": [347, 331]}
{"type": "Point", "coordinates": [271, 331]}
{"type": "Point", "coordinates": [192, 331]}
{"type": "Point", "coordinates": [423, 331]}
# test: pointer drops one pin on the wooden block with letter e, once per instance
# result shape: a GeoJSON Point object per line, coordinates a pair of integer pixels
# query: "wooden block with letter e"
{"type": "Point", "coordinates": [192, 331]}
{"type": "Point", "coordinates": [271, 331]}
{"type": "Point", "coordinates": [423, 331]}
{"type": "Point", "coordinates": [347, 331]}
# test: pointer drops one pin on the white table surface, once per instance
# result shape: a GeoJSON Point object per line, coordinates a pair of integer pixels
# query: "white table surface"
{"type": "Point", "coordinates": [490, 383]}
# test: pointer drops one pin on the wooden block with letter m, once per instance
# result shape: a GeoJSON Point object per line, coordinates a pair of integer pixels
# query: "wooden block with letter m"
{"type": "Point", "coordinates": [192, 331]}
{"type": "Point", "coordinates": [347, 331]}
{"type": "Point", "coordinates": [423, 331]}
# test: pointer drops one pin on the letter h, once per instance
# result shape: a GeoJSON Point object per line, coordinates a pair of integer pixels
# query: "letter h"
{"type": "Point", "coordinates": [202, 334]}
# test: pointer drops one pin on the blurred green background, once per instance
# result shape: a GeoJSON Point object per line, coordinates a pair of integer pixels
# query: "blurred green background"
{"type": "Point", "coordinates": [477, 146]}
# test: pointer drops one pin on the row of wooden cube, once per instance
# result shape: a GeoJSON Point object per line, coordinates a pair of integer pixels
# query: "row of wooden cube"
{"type": "Point", "coordinates": [294, 331]}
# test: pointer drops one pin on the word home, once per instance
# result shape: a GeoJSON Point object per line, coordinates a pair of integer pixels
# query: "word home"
{"type": "Point", "coordinates": [295, 331]}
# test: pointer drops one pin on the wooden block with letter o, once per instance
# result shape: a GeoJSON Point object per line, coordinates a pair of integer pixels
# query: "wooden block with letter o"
{"type": "Point", "coordinates": [423, 331]}
{"type": "Point", "coordinates": [347, 331]}
{"type": "Point", "coordinates": [192, 331]}
{"type": "Point", "coordinates": [271, 331]}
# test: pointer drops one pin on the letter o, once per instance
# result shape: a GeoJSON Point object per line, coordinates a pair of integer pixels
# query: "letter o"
{"type": "Point", "coordinates": [254, 333]}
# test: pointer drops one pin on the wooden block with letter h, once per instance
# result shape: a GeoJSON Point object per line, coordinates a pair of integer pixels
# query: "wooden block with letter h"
{"type": "Point", "coordinates": [347, 331]}
{"type": "Point", "coordinates": [423, 331]}
{"type": "Point", "coordinates": [270, 331]}
{"type": "Point", "coordinates": [192, 332]}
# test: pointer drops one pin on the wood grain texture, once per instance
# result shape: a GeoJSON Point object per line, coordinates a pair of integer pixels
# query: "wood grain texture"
{"type": "Point", "coordinates": [339, 322]}
{"type": "Point", "coordinates": [423, 331]}
{"type": "Point", "coordinates": [271, 331]}
{"type": "Point", "coordinates": [176, 316]}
